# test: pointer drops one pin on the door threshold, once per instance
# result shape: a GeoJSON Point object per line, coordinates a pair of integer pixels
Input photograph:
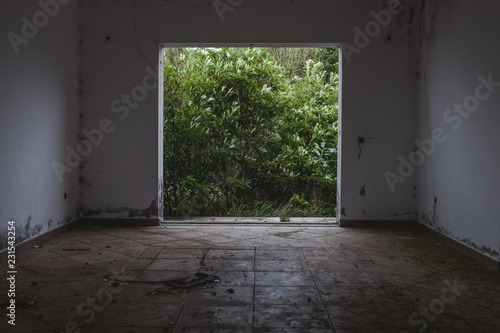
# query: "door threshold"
{"type": "Point", "coordinates": [226, 220]}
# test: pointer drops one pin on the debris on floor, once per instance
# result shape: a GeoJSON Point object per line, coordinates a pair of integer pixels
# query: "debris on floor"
{"type": "Point", "coordinates": [36, 246]}
{"type": "Point", "coordinates": [159, 291]}
{"type": "Point", "coordinates": [116, 284]}
{"type": "Point", "coordinates": [202, 278]}
{"type": "Point", "coordinates": [26, 303]}
{"type": "Point", "coordinates": [284, 284]}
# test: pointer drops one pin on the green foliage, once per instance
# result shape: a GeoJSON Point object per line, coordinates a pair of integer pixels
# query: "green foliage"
{"type": "Point", "coordinates": [260, 209]}
{"type": "Point", "coordinates": [244, 134]}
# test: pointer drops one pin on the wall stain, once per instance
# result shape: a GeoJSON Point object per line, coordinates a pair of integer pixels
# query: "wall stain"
{"type": "Point", "coordinates": [66, 220]}
{"type": "Point", "coordinates": [362, 192]}
{"type": "Point", "coordinates": [433, 221]}
{"type": "Point", "coordinates": [27, 231]}
{"type": "Point", "coordinates": [483, 249]}
{"type": "Point", "coordinates": [84, 181]}
{"type": "Point", "coordinates": [342, 212]}
{"type": "Point", "coordinates": [151, 211]}
{"type": "Point", "coordinates": [434, 213]}
{"type": "Point", "coordinates": [361, 140]}
{"type": "Point", "coordinates": [433, 13]}
{"type": "Point", "coordinates": [425, 218]}
{"type": "Point", "coordinates": [403, 214]}
{"type": "Point", "coordinates": [35, 231]}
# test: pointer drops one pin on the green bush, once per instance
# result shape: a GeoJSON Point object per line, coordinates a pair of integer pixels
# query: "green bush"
{"type": "Point", "coordinates": [243, 133]}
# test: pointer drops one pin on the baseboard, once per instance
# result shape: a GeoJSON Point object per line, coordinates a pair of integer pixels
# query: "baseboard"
{"type": "Point", "coordinates": [464, 249]}
{"type": "Point", "coordinates": [344, 223]}
{"type": "Point", "coordinates": [121, 222]}
{"type": "Point", "coordinates": [28, 244]}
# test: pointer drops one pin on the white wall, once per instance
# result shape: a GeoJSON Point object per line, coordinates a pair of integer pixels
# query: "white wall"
{"type": "Point", "coordinates": [121, 38]}
{"type": "Point", "coordinates": [459, 185]}
{"type": "Point", "coordinates": [38, 117]}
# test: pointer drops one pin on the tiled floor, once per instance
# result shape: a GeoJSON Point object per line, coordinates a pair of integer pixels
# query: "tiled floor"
{"type": "Point", "coordinates": [272, 279]}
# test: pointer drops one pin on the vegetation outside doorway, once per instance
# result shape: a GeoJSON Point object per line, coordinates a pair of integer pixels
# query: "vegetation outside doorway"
{"type": "Point", "coordinates": [250, 132]}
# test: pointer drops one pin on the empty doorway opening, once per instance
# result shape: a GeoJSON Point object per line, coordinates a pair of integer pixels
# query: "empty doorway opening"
{"type": "Point", "coordinates": [250, 134]}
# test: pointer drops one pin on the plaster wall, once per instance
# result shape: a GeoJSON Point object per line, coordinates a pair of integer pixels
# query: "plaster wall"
{"type": "Point", "coordinates": [39, 115]}
{"type": "Point", "coordinates": [458, 187]}
{"type": "Point", "coordinates": [120, 44]}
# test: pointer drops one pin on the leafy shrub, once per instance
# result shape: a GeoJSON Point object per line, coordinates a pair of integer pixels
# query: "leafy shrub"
{"type": "Point", "coordinates": [243, 133]}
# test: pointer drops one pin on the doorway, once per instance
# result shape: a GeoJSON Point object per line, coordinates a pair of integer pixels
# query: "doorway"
{"type": "Point", "coordinates": [249, 134]}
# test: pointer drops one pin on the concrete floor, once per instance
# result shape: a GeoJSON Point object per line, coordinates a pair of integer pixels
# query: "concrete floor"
{"type": "Point", "coordinates": [272, 279]}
